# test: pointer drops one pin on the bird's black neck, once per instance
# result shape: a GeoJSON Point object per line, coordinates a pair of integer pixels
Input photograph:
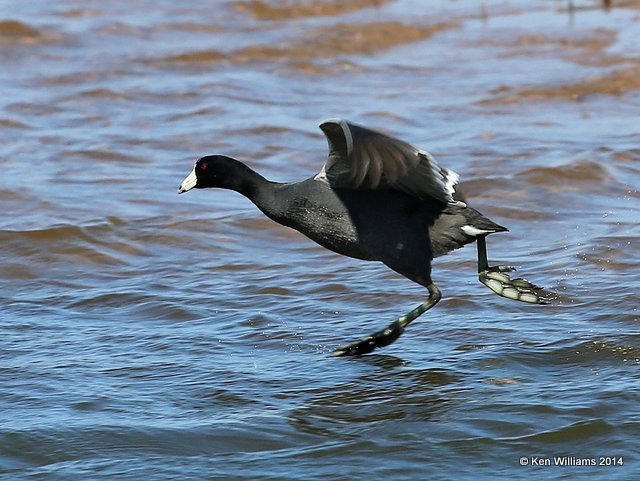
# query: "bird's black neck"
{"type": "Point", "coordinates": [260, 191]}
{"type": "Point", "coordinates": [249, 183]}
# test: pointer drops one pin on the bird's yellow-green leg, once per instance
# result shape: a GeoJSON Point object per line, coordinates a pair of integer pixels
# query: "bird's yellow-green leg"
{"type": "Point", "coordinates": [391, 333]}
{"type": "Point", "coordinates": [495, 279]}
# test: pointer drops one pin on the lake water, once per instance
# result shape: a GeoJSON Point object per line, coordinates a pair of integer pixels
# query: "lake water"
{"type": "Point", "coordinates": [147, 335]}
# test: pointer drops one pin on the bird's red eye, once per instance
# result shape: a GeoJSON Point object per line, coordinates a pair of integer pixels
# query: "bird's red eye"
{"type": "Point", "coordinates": [203, 166]}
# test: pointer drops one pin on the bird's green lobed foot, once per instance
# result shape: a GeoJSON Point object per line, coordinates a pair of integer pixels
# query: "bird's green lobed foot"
{"type": "Point", "coordinates": [369, 343]}
{"type": "Point", "coordinates": [517, 289]}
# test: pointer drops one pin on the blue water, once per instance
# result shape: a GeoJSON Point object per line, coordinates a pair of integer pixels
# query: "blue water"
{"type": "Point", "coordinates": [151, 335]}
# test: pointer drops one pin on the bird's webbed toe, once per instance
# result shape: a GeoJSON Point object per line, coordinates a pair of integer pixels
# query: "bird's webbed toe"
{"type": "Point", "coordinates": [368, 344]}
{"type": "Point", "coordinates": [519, 289]}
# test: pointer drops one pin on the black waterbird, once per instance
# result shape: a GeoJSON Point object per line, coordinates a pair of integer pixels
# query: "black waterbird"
{"type": "Point", "coordinates": [376, 198]}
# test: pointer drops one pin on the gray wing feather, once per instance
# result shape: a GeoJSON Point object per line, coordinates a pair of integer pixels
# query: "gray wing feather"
{"type": "Point", "coordinates": [363, 159]}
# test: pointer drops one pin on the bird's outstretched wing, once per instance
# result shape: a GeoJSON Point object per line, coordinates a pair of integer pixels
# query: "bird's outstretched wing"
{"type": "Point", "coordinates": [363, 159]}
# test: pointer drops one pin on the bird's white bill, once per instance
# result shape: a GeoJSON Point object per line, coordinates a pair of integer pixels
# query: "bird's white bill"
{"type": "Point", "coordinates": [189, 182]}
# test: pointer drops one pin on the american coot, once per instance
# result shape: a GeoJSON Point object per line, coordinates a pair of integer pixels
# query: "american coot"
{"type": "Point", "coordinates": [376, 198]}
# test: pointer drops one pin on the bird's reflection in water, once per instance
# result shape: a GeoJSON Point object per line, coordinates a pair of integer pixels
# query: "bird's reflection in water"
{"type": "Point", "coordinates": [390, 390]}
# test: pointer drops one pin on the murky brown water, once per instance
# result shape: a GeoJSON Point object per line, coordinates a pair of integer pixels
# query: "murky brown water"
{"type": "Point", "coordinates": [188, 337]}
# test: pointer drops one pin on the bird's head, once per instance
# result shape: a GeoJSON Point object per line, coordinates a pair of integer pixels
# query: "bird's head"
{"type": "Point", "coordinates": [211, 171]}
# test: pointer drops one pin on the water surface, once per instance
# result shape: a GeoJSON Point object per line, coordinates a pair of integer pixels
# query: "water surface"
{"type": "Point", "coordinates": [146, 334]}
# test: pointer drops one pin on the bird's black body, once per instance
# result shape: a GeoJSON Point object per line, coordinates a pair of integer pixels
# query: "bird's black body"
{"type": "Point", "coordinates": [395, 229]}
{"type": "Point", "coordinates": [376, 199]}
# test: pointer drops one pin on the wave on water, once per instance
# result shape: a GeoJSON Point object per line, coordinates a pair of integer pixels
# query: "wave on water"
{"type": "Point", "coordinates": [95, 244]}
{"type": "Point", "coordinates": [17, 32]}
{"type": "Point", "coordinates": [571, 176]}
{"type": "Point", "coordinates": [324, 43]}
{"type": "Point", "coordinates": [13, 30]}
{"type": "Point", "coordinates": [288, 10]}
{"type": "Point", "coordinates": [618, 82]}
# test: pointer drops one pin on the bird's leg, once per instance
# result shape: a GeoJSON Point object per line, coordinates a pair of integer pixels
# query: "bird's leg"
{"type": "Point", "coordinates": [393, 331]}
{"type": "Point", "coordinates": [495, 279]}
